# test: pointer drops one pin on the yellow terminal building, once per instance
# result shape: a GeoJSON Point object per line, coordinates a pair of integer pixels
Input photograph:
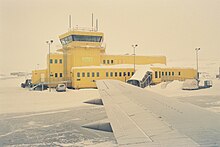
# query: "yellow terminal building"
{"type": "Point", "coordinates": [82, 60]}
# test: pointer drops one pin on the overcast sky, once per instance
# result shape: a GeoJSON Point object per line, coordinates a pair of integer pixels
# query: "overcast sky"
{"type": "Point", "coordinates": [160, 27]}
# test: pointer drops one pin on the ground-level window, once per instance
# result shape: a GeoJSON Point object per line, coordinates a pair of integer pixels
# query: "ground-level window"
{"type": "Point", "coordinates": [116, 74]}
{"type": "Point", "coordinates": [111, 74]}
{"type": "Point", "coordinates": [103, 61]}
{"type": "Point", "coordinates": [93, 74]}
{"type": "Point", "coordinates": [78, 74]}
{"type": "Point", "coordinates": [61, 61]}
{"type": "Point", "coordinates": [112, 61]}
{"type": "Point", "coordinates": [83, 74]}
{"type": "Point", "coordinates": [56, 75]}
{"type": "Point", "coordinates": [55, 61]}
{"type": "Point", "coordinates": [61, 75]}
{"type": "Point", "coordinates": [97, 74]}
{"type": "Point", "coordinates": [124, 73]}
{"type": "Point", "coordinates": [119, 74]}
{"type": "Point", "coordinates": [106, 74]}
{"type": "Point", "coordinates": [88, 74]}
{"type": "Point", "coordinates": [51, 61]}
{"type": "Point", "coordinates": [128, 73]}
{"type": "Point", "coordinates": [155, 74]}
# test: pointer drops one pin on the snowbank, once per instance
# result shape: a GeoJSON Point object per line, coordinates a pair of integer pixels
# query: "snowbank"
{"type": "Point", "coordinates": [14, 99]}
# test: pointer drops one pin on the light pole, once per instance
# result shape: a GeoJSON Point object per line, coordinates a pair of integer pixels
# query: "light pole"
{"type": "Point", "coordinates": [49, 43]}
{"type": "Point", "coordinates": [134, 46]}
{"type": "Point", "coordinates": [197, 62]}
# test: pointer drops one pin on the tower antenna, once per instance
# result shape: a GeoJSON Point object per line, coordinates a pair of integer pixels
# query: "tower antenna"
{"type": "Point", "coordinates": [97, 25]}
{"type": "Point", "coordinates": [92, 20]}
{"type": "Point", "coordinates": [70, 20]}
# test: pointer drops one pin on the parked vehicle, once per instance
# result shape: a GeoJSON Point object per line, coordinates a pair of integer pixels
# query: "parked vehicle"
{"type": "Point", "coordinates": [61, 88]}
{"type": "Point", "coordinates": [39, 87]}
{"type": "Point", "coordinates": [27, 83]}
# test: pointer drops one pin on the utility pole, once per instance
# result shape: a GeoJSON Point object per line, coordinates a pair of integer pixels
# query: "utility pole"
{"type": "Point", "coordinates": [197, 62]}
{"type": "Point", "coordinates": [134, 47]}
{"type": "Point", "coordinates": [49, 43]}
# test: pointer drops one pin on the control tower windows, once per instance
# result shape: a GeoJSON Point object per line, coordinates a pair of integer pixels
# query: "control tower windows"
{"type": "Point", "coordinates": [83, 38]}
{"type": "Point", "coordinates": [87, 38]}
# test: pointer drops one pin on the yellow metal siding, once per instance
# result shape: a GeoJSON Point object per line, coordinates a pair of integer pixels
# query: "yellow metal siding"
{"type": "Point", "coordinates": [88, 82]}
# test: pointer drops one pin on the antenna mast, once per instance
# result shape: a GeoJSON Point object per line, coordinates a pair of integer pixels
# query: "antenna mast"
{"type": "Point", "coordinates": [70, 25]}
{"type": "Point", "coordinates": [92, 21]}
{"type": "Point", "coordinates": [97, 25]}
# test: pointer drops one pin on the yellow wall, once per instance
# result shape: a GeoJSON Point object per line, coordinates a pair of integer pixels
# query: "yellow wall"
{"type": "Point", "coordinates": [172, 74]}
{"type": "Point", "coordinates": [88, 82]}
{"type": "Point", "coordinates": [39, 76]}
{"type": "Point", "coordinates": [129, 59]}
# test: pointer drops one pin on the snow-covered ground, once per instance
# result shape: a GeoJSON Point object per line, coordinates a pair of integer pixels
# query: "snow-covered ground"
{"type": "Point", "coordinates": [14, 99]}
{"type": "Point", "coordinates": [35, 118]}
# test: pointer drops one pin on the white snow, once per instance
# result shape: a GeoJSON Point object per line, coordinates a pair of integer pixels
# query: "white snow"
{"type": "Point", "coordinates": [14, 99]}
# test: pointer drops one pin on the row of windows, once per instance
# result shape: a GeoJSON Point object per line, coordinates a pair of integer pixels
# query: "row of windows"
{"type": "Point", "coordinates": [108, 61]}
{"type": "Point", "coordinates": [56, 75]}
{"type": "Point", "coordinates": [84, 38]}
{"type": "Point", "coordinates": [55, 61]}
{"type": "Point", "coordinates": [107, 74]}
{"type": "Point", "coordinates": [159, 74]}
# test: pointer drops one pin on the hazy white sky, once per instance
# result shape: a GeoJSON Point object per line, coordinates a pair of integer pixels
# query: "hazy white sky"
{"type": "Point", "coordinates": [160, 27]}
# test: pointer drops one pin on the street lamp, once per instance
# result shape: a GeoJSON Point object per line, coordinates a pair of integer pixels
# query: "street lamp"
{"type": "Point", "coordinates": [134, 46]}
{"type": "Point", "coordinates": [197, 62]}
{"type": "Point", "coordinates": [49, 43]}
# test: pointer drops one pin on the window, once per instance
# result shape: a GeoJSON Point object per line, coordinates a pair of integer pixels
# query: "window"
{"type": "Point", "coordinates": [132, 73]}
{"type": "Point", "coordinates": [172, 73]}
{"type": "Point", "coordinates": [103, 61]}
{"type": "Point", "coordinates": [119, 74]}
{"type": "Point", "coordinates": [93, 74]}
{"type": "Point", "coordinates": [162, 73]}
{"type": "Point", "coordinates": [116, 74]}
{"type": "Point", "coordinates": [61, 75]}
{"type": "Point", "coordinates": [112, 61]}
{"type": "Point", "coordinates": [106, 74]}
{"type": "Point", "coordinates": [88, 74]}
{"type": "Point", "coordinates": [97, 74]}
{"type": "Point", "coordinates": [107, 61]}
{"type": "Point", "coordinates": [55, 61]}
{"type": "Point", "coordinates": [78, 74]}
{"type": "Point", "coordinates": [111, 74]}
{"type": "Point", "coordinates": [169, 74]}
{"type": "Point", "coordinates": [179, 73]}
{"type": "Point", "coordinates": [159, 74]}
{"type": "Point", "coordinates": [124, 73]}
{"type": "Point", "coordinates": [166, 73]}
{"type": "Point", "coordinates": [51, 61]}
{"type": "Point", "coordinates": [61, 61]}
{"type": "Point", "coordinates": [83, 74]}
{"type": "Point", "coordinates": [87, 38]}
{"type": "Point", "coordinates": [56, 75]}
{"type": "Point", "coordinates": [128, 73]}
{"type": "Point", "coordinates": [155, 74]}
